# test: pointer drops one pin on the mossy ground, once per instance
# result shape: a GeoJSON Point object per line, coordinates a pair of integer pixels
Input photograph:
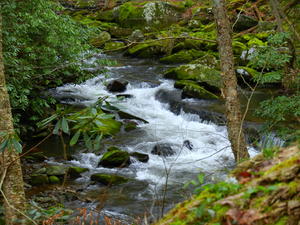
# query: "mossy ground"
{"type": "Point", "coordinates": [267, 193]}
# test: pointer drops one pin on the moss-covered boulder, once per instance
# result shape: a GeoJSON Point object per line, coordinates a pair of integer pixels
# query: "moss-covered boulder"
{"type": "Point", "coordinates": [115, 158]}
{"type": "Point", "coordinates": [196, 72]}
{"type": "Point", "coordinates": [75, 172]}
{"type": "Point", "coordinates": [140, 156]}
{"type": "Point", "coordinates": [55, 171]}
{"type": "Point", "coordinates": [183, 56]}
{"type": "Point", "coordinates": [39, 179]}
{"type": "Point", "coordinates": [100, 40]}
{"type": "Point", "coordinates": [109, 179]}
{"type": "Point", "coordinates": [191, 89]}
{"type": "Point", "coordinates": [147, 15]}
{"type": "Point", "coordinates": [149, 49]}
{"type": "Point", "coordinates": [114, 45]}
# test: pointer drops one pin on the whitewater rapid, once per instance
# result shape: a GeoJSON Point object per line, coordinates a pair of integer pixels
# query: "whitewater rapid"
{"type": "Point", "coordinates": [211, 152]}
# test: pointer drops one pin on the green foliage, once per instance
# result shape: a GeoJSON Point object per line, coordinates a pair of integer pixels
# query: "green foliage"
{"type": "Point", "coordinates": [41, 50]}
{"type": "Point", "coordinates": [10, 141]}
{"type": "Point", "coordinates": [210, 193]}
{"type": "Point", "coordinates": [280, 112]}
{"type": "Point", "coordinates": [269, 152]}
{"type": "Point", "coordinates": [90, 123]}
{"type": "Point", "coordinates": [60, 213]}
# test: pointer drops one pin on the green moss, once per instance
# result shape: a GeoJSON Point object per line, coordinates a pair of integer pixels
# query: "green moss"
{"type": "Point", "coordinates": [113, 45]}
{"type": "Point", "coordinates": [75, 172]}
{"type": "Point", "coordinates": [282, 221]}
{"type": "Point", "coordinates": [54, 180]}
{"type": "Point", "coordinates": [183, 56]}
{"type": "Point", "coordinates": [294, 187]}
{"type": "Point", "coordinates": [129, 14]}
{"type": "Point", "coordinates": [107, 16]}
{"type": "Point", "coordinates": [283, 165]}
{"type": "Point", "coordinates": [147, 50]}
{"type": "Point", "coordinates": [195, 72]}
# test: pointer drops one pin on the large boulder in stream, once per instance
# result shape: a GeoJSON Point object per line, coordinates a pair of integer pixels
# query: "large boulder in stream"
{"type": "Point", "coordinates": [117, 85]}
{"type": "Point", "coordinates": [163, 150]}
{"type": "Point", "coordinates": [115, 157]}
{"type": "Point", "coordinates": [109, 179]}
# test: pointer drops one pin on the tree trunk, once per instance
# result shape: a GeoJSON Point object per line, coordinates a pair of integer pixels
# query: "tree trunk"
{"type": "Point", "coordinates": [233, 113]}
{"type": "Point", "coordinates": [10, 168]}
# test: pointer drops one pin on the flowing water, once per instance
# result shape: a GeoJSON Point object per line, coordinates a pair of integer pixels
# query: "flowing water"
{"type": "Point", "coordinates": [210, 153]}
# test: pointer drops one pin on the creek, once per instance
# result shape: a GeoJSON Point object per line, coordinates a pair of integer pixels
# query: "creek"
{"type": "Point", "coordinates": [157, 185]}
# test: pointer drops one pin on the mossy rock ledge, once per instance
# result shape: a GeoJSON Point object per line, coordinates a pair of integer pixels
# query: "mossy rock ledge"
{"type": "Point", "coordinates": [268, 192]}
{"type": "Point", "coordinates": [109, 179]}
{"type": "Point", "coordinates": [115, 157]}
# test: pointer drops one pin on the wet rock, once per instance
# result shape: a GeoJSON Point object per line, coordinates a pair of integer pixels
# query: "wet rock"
{"type": "Point", "coordinates": [115, 158]}
{"type": "Point", "coordinates": [39, 179]}
{"type": "Point", "coordinates": [124, 96]}
{"type": "Point", "coordinates": [136, 36]}
{"type": "Point", "coordinates": [163, 150]}
{"type": "Point", "coordinates": [244, 22]}
{"type": "Point", "coordinates": [54, 180]}
{"type": "Point", "coordinates": [188, 144]}
{"type": "Point", "coordinates": [101, 39]}
{"type": "Point", "coordinates": [117, 86]}
{"type": "Point", "coordinates": [109, 179]}
{"type": "Point", "coordinates": [55, 171]}
{"type": "Point", "coordinates": [140, 156]}
{"type": "Point", "coordinates": [75, 172]}
{"type": "Point", "coordinates": [125, 115]}
{"type": "Point", "coordinates": [173, 98]}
